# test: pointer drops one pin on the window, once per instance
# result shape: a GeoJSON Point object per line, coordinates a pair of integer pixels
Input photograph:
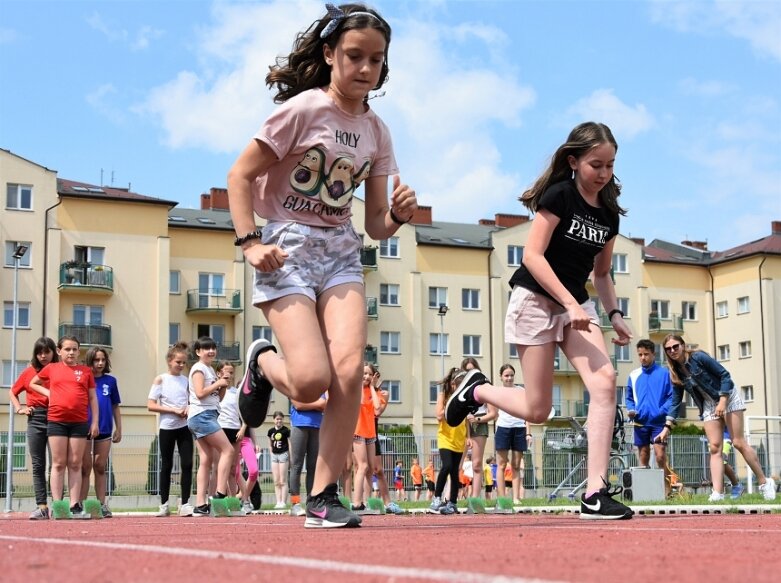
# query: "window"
{"type": "Point", "coordinates": [394, 391]}
{"type": "Point", "coordinates": [623, 305]}
{"type": "Point", "coordinates": [557, 399]}
{"type": "Point", "coordinates": [19, 197]}
{"type": "Point", "coordinates": [91, 255]}
{"type": "Point", "coordinates": [743, 305]}
{"type": "Point", "coordinates": [620, 396]}
{"type": "Point", "coordinates": [174, 282]}
{"type": "Point", "coordinates": [87, 315]}
{"type": "Point", "coordinates": [210, 285]}
{"type": "Point", "coordinates": [722, 309]}
{"type": "Point", "coordinates": [214, 331]}
{"type": "Point", "coordinates": [437, 296]}
{"type": "Point", "coordinates": [513, 351]}
{"type": "Point", "coordinates": [174, 332]}
{"type": "Point", "coordinates": [723, 351]}
{"type": "Point", "coordinates": [389, 247]}
{"type": "Point", "coordinates": [619, 263]}
{"type": "Point", "coordinates": [622, 354]}
{"type": "Point", "coordinates": [471, 345]}
{"type": "Point", "coordinates": [438, 343]}
{"type": "Point", "coordinates": [261, 332]}
{"type": "Point", "coordinates": [689, 310]}
{"type": "Point", "coordinates": [748, 392]}
{"type": "Point", "coordinates": [744, 349]}
{"type": "Point", "coordinates": [22, 314]}
{"type": "Point", "coordinates": [660, 309]}
{"type": "Point", "coordinates": [389, 342]}
{"type": "Point", "coordinates": [10, 376]}
{"type": "Point", "coordinates": [433, 389]}
{"type": "Point", "coordinates": [470, 299]}
{"type": "Point", "coordinates": [514, 255]}
{"type": "Point", "coordinates": [19, 451]}
{"type": "Point", "coordinates": [10, 249]}
{"type": "Point", "coordinates": [389, 294]}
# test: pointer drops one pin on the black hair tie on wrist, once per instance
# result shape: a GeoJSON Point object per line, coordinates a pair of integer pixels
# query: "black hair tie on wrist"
{"type": "Point", "coordinates": [396, 219]}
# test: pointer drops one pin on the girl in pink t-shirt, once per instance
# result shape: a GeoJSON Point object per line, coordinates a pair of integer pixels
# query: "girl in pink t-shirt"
{"type": "Point", "coordinates": [299, 173]}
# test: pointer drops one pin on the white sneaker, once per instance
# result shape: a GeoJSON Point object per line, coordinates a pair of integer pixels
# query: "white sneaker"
{"type": "Point", "coordinates": [768, 489]}
{"type": "Point", "coordinates": [716, 497]}
{"type": "Point", "coordinates": [436, 504]}
{"type": "Point", "coordinates": [186, 509]}
{"type": "Point", "coordinates": [247, 507]}
{"type": "Point", "coordinates": [164, 510]}
{"type": "Point", "coordinates": [297, 510]}
{"type": "Point", "coordinates": [280, 506]}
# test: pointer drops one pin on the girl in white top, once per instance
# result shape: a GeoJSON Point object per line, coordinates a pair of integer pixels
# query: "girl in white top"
{"type": "Point", "coordinates": [510, 435]}
{"type": "Point", "coordinates": [229, 420]}
{"type": "Point", "coordinates": [168, 397]}
{"type": "Point", "coordinates": [214, 448]}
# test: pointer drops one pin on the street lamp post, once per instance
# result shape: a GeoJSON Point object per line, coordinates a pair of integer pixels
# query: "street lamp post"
{"type": "Point", "coordinates": [441, 313]}
{"type": "Point", "coordinates": [9, 452]}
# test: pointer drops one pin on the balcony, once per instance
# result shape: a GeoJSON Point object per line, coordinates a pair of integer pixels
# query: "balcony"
{"type": "Point", "coordinates": [570, 408]}
{"type": "Point", "coordinates": [230, 351]}
{"type": "Point", "coordinates": [214, 301]}
{"type": "Point", "coordinates": [673, 325]}
{"type": "Point", "coordinates": [371, 308]}
{"type": "Point", "coordinates": [87, 334]}
{"type": "Point", "coordinates": [370, 354]}
{"type": "Point", "coordinates": [369, 259]}
{"type": "Point", "coordinates": [82, 276]}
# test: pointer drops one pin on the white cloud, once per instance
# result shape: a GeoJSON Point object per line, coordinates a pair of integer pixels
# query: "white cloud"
{"type": "Point", "coordinates": [441, 108]}
{"type": "Point", "coordinates": [603, 106]}
{"type": "Point", "coordinates": [8, 36]}
{"type": "Point", "coordinates": [758, 22]}
{"type": "Point", "coordinates": [692, 86]}
{"type": "Point", "coordinates": [144, 36]}
{"type": "Point", "coordinates": [98, 100]}
{"type": "Point", "coordinates": [139, 41]}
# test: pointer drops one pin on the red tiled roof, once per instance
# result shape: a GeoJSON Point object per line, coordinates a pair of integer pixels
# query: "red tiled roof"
{"type": "Point", "coordinates": [72, 188]}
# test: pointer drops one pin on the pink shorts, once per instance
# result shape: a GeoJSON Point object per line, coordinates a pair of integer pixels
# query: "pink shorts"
{"type": "Point", "coordinates": [533, 319]}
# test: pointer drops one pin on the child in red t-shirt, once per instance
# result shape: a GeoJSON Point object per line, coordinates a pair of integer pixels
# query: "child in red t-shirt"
{"type": "Point", "coordinates": [70, 388]}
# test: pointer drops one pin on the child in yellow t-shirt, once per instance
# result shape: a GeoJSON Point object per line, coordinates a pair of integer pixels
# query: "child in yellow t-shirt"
{"type": "Point", "coordinates": [488, 478]}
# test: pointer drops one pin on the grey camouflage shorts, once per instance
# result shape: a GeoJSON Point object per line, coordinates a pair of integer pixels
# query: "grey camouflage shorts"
{"type": "Point", "coordinates": [319, 258]}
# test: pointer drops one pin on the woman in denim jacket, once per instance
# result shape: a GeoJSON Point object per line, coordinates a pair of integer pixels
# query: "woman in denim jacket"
{"type": "Point", "coordinates": [712, 389]}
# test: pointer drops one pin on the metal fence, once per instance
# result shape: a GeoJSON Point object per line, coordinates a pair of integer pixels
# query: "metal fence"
{"type": "Point", "coordinates": [134, 462]}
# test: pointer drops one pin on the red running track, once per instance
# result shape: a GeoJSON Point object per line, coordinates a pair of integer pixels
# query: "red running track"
{"type": "Point", "coordinates": [463, 549]}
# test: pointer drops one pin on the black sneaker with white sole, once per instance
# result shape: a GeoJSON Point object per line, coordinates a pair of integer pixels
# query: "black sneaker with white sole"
{"type": "Point", "coordinates": [326, 511]}
{"type": "Point", "coordinates": [255, 389]}
{"type": "Point", "coordinates": [601, 506]}
{"type": "Point", "coordinates": [462, 402]}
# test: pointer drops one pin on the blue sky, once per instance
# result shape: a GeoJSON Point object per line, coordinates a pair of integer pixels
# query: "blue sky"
{"type": "Point", "coordinates": [163, 94]}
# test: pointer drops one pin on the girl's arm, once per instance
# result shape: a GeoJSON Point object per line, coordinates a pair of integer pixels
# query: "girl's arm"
{"type": "Point", "coordinates": [534, 260]}
{"type": "Point", "coordinates": [490, 415]}
{"type": "Point", "coordinates": [117, 425]}
{"type": "Point", "coordinates": [202, 391]}
{"type": "Point", "coordinates": [376, 401]}
{"type": "Point", "coordinates": [606, 291]}
{"type": "Point", "coordinates": [318, 405]}
{"type": "Point", "coordinates": [93, 405]}
{"type": "Point", "coordinates": [440, 410]}
{"type": "Point", "coordinates": [714, 368]}
{"type": "Point", "coordinates": [36, 386]}
{"type": "Point", "coordinates": [18, 407]}
{"type": "Point", "coordinates": [403, 202]}
{"type": "Point", "coordinates": [255, 160]}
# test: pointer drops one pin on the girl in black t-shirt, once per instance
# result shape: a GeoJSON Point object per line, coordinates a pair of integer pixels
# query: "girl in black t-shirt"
{"type": "Point", "coordinates": [279, 439]}
{"type": "Point", "coordinates": [571, 236]}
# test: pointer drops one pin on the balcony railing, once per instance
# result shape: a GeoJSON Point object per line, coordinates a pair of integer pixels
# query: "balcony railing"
{"type": "Point", "coordinates": [83, 276]}
{"type": "Point", "coordinates": [570, 408]}
{"type": "Point", "coordinates": [369, 258]}
{"type": "Point", "coordinates": [87, 334]}
{"type": "Point", "coordinates": [230, 351]}
{"type": "Point", "coordinates": [214, 300]}
{"type": "Point", "coordinates": [370, 354]}
{"type": "Point", "coordinates": [672, 325]}
{"type": "Point", "coordinates": [371, 308]}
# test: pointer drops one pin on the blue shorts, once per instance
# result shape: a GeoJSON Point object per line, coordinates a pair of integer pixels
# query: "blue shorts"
{"type": "Point", "coordinates": [511, 438]}
{"type": "Point", "coordinates": [204, 423]}
{"type": "Point", "coordinates": [645, 434]}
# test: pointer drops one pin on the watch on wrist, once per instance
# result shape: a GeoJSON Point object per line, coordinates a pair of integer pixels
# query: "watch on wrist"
{"type": "Point", "coordinates": [612, 313]}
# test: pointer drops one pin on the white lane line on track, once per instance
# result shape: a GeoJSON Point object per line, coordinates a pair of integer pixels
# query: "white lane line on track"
{"type": "Point", "coordinates": [391, 571]}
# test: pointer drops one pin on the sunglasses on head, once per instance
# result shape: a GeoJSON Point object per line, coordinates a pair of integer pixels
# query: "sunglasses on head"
{"type": "Point", "coordinates": [672, 347]}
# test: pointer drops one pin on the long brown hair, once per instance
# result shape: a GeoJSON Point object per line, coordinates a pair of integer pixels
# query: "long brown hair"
{"type": "Point", "coordinates": [305, 67]}
{"type": "Point", "coordinates": [451, 377]}
{"type": "Point", "coordinates": [581, 139]}
{"type": "Point", "coordinates": [677, 371]}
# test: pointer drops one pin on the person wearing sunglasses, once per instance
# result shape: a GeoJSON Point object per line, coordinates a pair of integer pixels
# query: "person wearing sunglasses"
{"type": "Point", "coordinates": [720, 405]}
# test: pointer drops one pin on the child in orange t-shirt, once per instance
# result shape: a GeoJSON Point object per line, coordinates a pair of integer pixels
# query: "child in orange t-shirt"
{"type": "Point", "coordinates": [70, 388]}
{"type": "Point", "coordinates": [416, 473]}
{"type": "Point", "coordinates": [365, 435]}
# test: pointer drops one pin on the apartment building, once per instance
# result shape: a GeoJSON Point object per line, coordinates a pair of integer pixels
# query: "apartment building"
{"type": "Point", "coordinates": [136, 273]}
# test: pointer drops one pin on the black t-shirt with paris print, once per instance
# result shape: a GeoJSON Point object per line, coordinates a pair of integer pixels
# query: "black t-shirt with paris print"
{"type": "Point", "coordinates": [582, 232]}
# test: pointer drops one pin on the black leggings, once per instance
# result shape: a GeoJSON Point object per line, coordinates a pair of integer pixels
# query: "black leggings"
{"type": "Point", "coordinates": [450, 465]}
{"type": "Point", "coordinates": [183, 439]}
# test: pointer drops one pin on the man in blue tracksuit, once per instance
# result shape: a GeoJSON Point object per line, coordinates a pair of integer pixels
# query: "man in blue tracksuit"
{"type": "Point", "coordinates": [649, 395]}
